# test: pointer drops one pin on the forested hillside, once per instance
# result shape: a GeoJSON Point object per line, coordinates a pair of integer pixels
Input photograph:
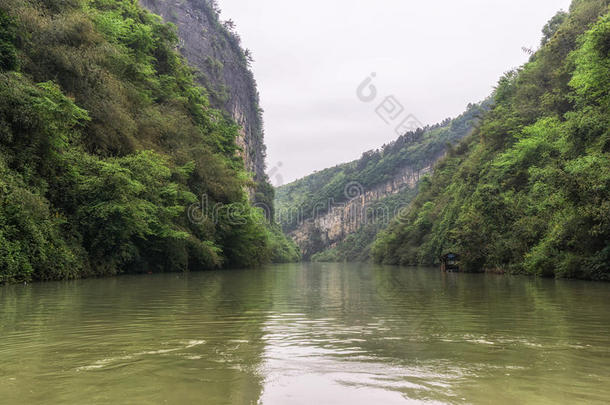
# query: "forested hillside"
{"type": "Point", "coordinates": [105, 143]}
{"type": "Point", "coordinates": [384, 178]}
{"type": "Point", "coordinates": [213, 48]}
{"type": "Point", "coordinates": [529, 191]}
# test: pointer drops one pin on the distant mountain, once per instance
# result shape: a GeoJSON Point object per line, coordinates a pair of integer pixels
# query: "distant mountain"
{"type": "Point", "coordinates": [335, 214]}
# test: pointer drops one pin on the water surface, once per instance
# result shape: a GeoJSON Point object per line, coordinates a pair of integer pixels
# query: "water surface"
{"type": "Point", "coordinates": [304, 334]}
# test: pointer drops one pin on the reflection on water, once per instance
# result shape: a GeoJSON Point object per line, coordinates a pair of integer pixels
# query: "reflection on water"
{"type": "Point", "coordinates": [306, 333]}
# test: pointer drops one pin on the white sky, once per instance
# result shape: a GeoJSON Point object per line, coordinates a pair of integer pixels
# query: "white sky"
{"type": "Point", "coordinates": [434, 56]}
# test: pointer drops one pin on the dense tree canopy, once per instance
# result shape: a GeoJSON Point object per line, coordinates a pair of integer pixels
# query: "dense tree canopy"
{"type": "Point", "coordinates": [105, 141]}
{"type": "Point", "coordinates": [530, 190]}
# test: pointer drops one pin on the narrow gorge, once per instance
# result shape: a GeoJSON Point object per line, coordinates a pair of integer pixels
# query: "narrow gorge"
{"type": "Point", "coordinates": [336, 213]}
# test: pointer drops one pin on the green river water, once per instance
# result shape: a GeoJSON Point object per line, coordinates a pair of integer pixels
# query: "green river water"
{"type": "Point", "coordinates": [306, 334]}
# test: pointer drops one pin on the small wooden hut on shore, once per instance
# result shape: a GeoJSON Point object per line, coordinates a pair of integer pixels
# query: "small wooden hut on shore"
{"type": "Point", "coordinates": [450, 262]}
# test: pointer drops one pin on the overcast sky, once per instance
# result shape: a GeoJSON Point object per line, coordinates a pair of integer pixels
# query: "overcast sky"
{"type": "Point", "coordinates": [433, 56]}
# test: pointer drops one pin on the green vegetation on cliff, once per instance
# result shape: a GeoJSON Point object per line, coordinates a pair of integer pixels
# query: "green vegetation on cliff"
{"type": "Point", "coordinates": [105, 141]}
{"type": "Point", "coordinates": [213, 49]}
{"type": "Point", "coordinates": [529, 192]}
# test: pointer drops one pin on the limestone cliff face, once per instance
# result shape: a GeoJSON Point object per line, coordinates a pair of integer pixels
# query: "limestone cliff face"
{"type": "Point", "coordinates": [324, 231]}
{"type": "Point", "coordinates": [222, 68]}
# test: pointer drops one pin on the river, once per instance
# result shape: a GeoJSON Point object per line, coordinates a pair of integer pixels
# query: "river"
{"type": "Point", "coordinates": [306, 334]}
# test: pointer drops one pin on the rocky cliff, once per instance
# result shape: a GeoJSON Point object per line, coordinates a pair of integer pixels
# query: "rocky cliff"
{"type": "Point", "coordinates": [366, 208]}
{"type": "Point", "coordinates": [213, 49]}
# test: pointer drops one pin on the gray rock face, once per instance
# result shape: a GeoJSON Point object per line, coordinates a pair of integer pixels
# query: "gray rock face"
{"type": "Point", "coordinates": [346, 218]}
{"type": "Point", "coordinates": [215, 52]}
